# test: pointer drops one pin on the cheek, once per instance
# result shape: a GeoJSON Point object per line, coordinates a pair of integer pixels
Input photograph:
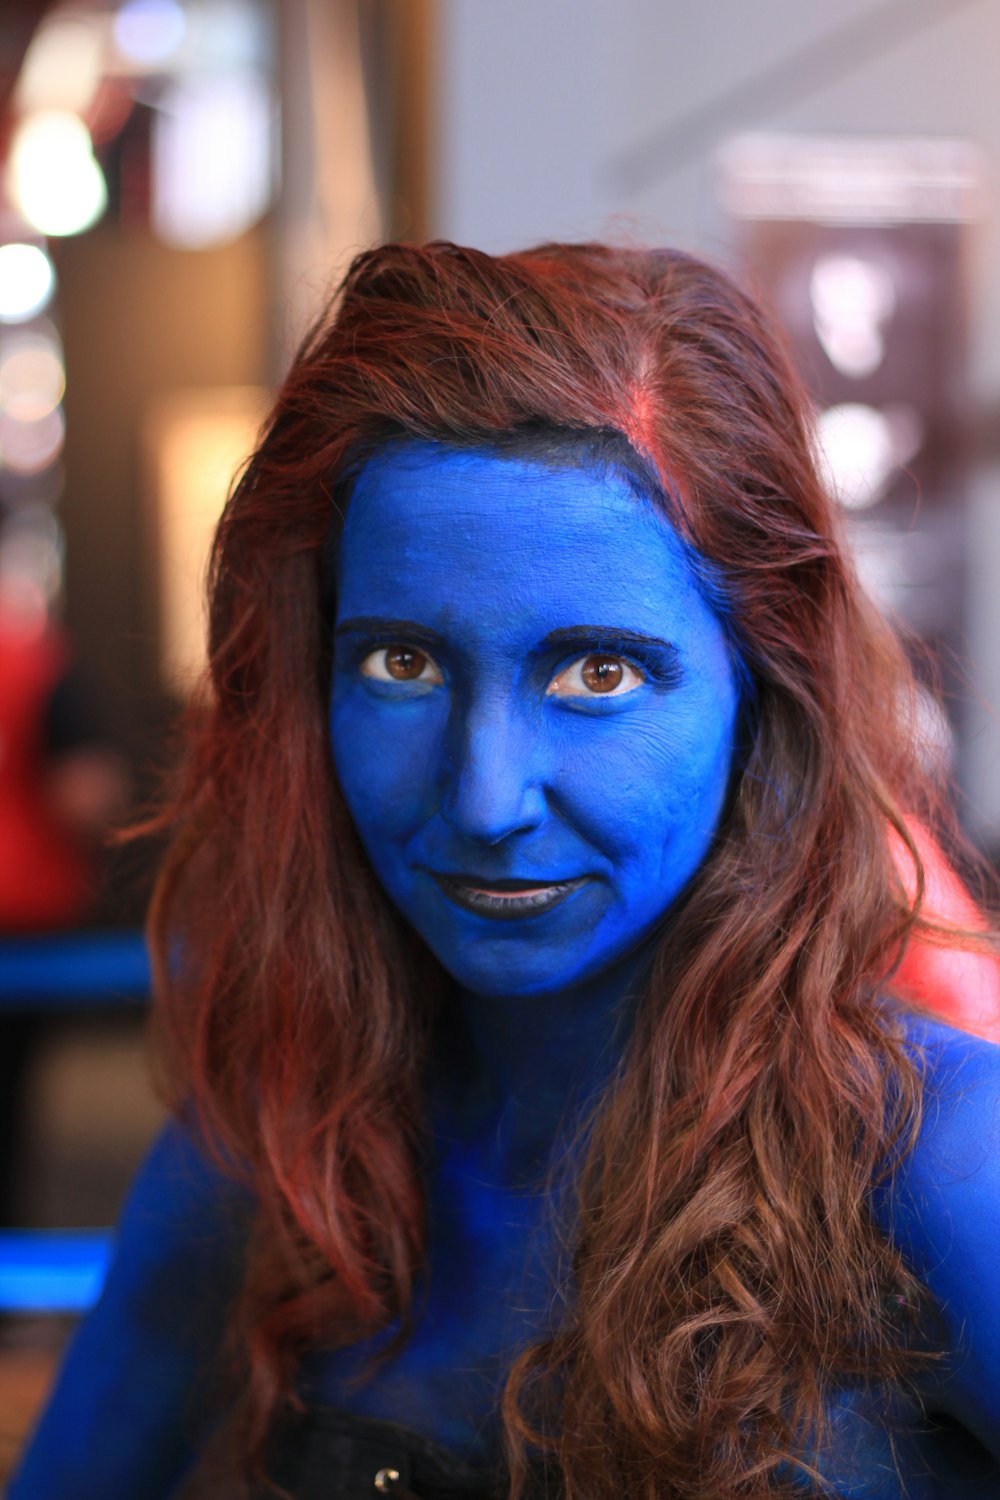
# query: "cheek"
{"type": "Point", "coordinates": [383, 768]}
{"type": "Point", "coordinates": [650, 798]}
{"type": "Point", "coordinates": [692, 813]}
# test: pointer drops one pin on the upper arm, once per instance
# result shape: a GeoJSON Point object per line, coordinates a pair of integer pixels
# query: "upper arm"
{"type": "Point", "coordinates": [943, 1211]}
{"type": "Point", "coordinates": [123, 1419]}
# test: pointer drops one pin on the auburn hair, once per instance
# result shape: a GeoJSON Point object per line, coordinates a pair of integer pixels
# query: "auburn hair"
{"type": "Point", "coordinates": [726, 1269]}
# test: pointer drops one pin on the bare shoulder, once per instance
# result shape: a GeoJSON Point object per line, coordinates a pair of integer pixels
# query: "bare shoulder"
{"type": "Point", "coordinates": [943, 1210]}
{"type": "Point", "coordinates": [955, 1165]}
{"type": "Point", "coordinates": [961, 1096]}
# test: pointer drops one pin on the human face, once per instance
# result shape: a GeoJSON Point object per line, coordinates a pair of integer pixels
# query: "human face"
{"type": "Point", "coordinates": [533, 711]}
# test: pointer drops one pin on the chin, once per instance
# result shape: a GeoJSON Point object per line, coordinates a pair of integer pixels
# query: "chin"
{"type": "Point", "coordinates": [492, 985]}
{"type": "Point", "coordinates": [506, 978]}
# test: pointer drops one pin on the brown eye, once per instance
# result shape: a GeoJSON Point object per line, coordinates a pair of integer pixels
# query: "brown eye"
{"type": "Point", "coordinates": [597, 675]}
{"type": "Point", "coordinates": [400, 664]}
{"type": "Point", "coordinates": [602, 674]}
{"type": "Point", "coordinates": [404, 664]}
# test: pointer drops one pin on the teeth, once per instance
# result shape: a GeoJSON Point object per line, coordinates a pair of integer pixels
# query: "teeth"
{"type": "Point", "coordinates": [529, 890]}
{"type": "Point", "coordinates": [522, 901]}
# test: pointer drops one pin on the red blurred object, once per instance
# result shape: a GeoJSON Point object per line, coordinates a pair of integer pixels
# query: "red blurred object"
{"type": "Point", "coordinates": [45, 876]}
{"type": "Point", "coordinates": [946, 974]}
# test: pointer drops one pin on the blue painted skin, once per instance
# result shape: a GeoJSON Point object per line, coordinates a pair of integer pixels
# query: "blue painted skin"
{"type": "Point", "coordinates": [493, 584]}
{"type": "Point", "coordinates": [523, 739]}
{"type": "Point", "coordinates": [475, 599]}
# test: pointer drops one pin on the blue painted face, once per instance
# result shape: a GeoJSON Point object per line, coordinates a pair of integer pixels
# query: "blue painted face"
{"type": "Point", "coordinates": [533, 711]}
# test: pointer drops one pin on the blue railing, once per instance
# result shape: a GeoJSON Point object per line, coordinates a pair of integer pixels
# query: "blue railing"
{"type": "Point", "coordinates": [66, 970]}
{"type": "Point", "coordinates": [53, 1270]}
{"type": "Point", "coordinates": [63, 1270]}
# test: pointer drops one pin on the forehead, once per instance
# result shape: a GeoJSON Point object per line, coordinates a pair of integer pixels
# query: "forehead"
{"type": "Point", "coordinates": [427, 522]}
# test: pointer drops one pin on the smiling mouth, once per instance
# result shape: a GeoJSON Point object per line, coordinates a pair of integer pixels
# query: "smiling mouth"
{"type": "Point", "coordinates": [504, 900]}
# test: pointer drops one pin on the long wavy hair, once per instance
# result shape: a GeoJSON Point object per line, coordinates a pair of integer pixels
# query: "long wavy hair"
{"type": "Point", "coordinates": [726, 1269]}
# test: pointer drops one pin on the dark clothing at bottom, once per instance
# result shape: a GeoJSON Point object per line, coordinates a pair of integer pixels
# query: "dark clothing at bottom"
{"type": "Point", "coordinates": [333, 1455]}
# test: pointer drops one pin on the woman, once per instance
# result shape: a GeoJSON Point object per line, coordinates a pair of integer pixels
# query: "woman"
{"type": "Point", "coordinates": [591, 1160]}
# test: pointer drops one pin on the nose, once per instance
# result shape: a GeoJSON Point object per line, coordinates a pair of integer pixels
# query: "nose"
{"type": "Point", "coordinates": [491, 787]}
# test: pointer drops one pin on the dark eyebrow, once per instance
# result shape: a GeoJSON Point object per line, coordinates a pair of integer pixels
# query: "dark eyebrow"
{"type": "Point", "coordinates": [389, 630]}
{"type": "Point", "coordinates": [609, 636]}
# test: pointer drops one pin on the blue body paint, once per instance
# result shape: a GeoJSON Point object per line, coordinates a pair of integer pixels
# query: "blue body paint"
{"type": "Point", "coordinates": [536, 763]}
{"type": "Point", "coordinates": [496, 763]}
{"type": "Point", "coordinates": [533, 716]}
{"type": "Point", "coordinates": [138, 1389]}
{"type": "Point", "coordinates": [943, 1210]}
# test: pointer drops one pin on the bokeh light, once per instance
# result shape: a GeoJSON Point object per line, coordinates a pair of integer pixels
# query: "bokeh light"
{"type": "Point", "coordinates": [53, 176]}
{"type": "Point", "coordinates": [32, 377]}
{"type": "Point", "coordinates": [31, 563]}
{"type": "Point", "coordinates": [856, 452]}
{"type": "Point", "coordinates": [852, 299]}
{"type": "Point", "coordinates": [149, 31]}
{"type": "Point", "coordinates": [62, 67]}
{"type": "Point", "coordinates": [27, 280]}
{"type": "Point", "coordinates": [29, 447]}
{"type": "Point", "coordinates": [213, 158]}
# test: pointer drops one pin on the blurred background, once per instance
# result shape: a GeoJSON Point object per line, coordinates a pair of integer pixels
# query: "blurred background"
{"type": "Point", "coordinates": [181, 183]}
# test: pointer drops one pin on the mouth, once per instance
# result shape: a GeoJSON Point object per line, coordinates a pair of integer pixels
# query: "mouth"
{"type": "Point", "coordinates": [506, 900]}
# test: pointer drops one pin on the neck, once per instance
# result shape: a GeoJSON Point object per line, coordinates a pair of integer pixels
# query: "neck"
{"type": "Point", "coordinates": [521, 1067]}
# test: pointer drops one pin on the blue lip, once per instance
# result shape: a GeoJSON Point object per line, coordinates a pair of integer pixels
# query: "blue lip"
{"type": "Point", "coordinates": [478, 895]}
